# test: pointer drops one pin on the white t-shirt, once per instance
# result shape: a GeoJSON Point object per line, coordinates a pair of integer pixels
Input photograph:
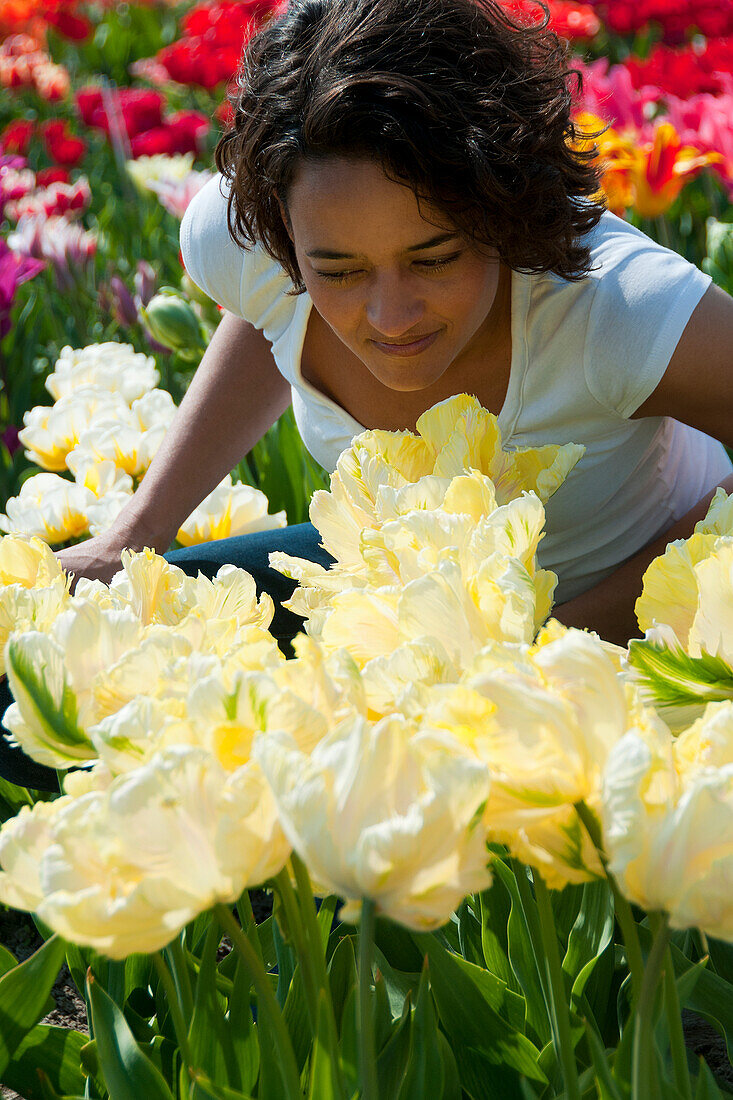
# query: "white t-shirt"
{"type": "Point", "coordinates": [585, 356]}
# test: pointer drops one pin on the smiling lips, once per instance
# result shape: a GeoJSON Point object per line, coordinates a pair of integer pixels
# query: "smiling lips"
{"type": "Point", "coordinates": [413, 348]}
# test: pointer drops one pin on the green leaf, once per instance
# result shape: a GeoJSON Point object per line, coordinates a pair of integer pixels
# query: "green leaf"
{"type": "Point", "coordinates": [12, 797]}
{"type": "Point", "coordinates": [711, 996]}
{"type": "Point", "coordinates": [398, 946]}
{"type": "Point", "coordinates": [349, 1046]}
{"type": "Point", "coordinates": [383, 1017]}
{"type": "Point", "coordinates": [325, 917]}
{"type": "Point", "coordinates": [599, 995]}
{"type": "Point", "coordinates": [607, 1087]}
{"type": "Point", "coordinates": [592, 930]}
{"type": "Point", "coordinates": [54, 1050]}
{"type": "Point", "coordinates": [128, 1074]}
{"type": "Point", "coordinates": [7, 960]}
{"type": "Point", "coordinates": [205, 1089]}
{"type": "Point", "coordinates": [285, 963]}
{"type": "Point", "coordinates": [266, 934]}
{"type": "Point", "coordinates": [469, 931]}
{"type": "Point", "coordinates": [676, 679]}
{"type": "Point", "coordinates": [451, 1077]}
{"type": "Point", "coordinates": [396, 984]}
{"type": "Point", "coordinates": [296, 1018]}
{"type": "Point", "coordinates": [522, 957]}
{"type": "Point", "coordinates": [392, 1058]}
{"type": "Point", "coordinates": [41, 688]}
{"type": "Point", "coordinates": [686, 982]}
{"type": "Point", "coordinates": [496, 907]}
{"type": "Point", "coordinates": [721, 957]}
{"type": "Point", "coordinates": [322, 1085]}
{"type": "Point", "coordinates": [90, 1067]}
{"type": "Point", "coordinates": [473, 1007]}
{"type": "Point", "coordinates": [590, 936]}
{"type": "Point", "coordinates": [707, 1088]}
{"type": "Point", "coordinates": [138, 975]}
{"type": "Point", "coordinates": [209, 1045]}
{"type": "Point", "coordinates": [269, 1082]}
{"type": "Point", "coordinates": [79, 960]}
{"type": "Point", "coordinates": [48, 1092]}
{"type": "Point", "coordinates": [424, 1075]}
{"type": "Point", "coordinates": [242, 1030]}
{"type": "Point", "coordinates": [24, 991]}
{"type": "Point", "coordinates": [566, 905]}
{"type": "Point", "coordinates": [483, 1079]}
{"type": "Point", "coordinates": [342, 975]}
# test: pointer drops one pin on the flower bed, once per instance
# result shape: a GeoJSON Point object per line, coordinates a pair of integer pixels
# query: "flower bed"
{"type": "Point", "coordinates": [531, 830]}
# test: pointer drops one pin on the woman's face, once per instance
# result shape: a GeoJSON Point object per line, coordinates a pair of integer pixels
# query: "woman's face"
{"type": "Point", "coordinates": [398, 277]}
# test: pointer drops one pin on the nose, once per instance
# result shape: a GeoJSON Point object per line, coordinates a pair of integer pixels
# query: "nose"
{"type": "Point", "coordinates": [393, 308]}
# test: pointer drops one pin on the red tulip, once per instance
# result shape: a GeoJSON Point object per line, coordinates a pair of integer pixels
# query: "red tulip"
{"type": "Point", "coordinates": [153, 142]}
{"type": "Point", "coordinates": [46, 176]}
{"type": "Point", "coordinates": [16, 137]}
{"type": "Point", "coordinates": [70, 26]}
{"type": "Point", "coordinates": [188, 129]}
{"type": "Point", "coordinates": [61, 145]}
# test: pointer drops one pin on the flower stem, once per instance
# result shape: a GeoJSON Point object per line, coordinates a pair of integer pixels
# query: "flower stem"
{"type": "Point", "coordinates": [674, 1024]}
{"type": "Point", "coordinates": [624, 915]}
{"type": "Point", "coordinates": [367, 1052]}
{"type": "Point", "coordinates": [642, 1070]}
{"type": "Point", "coordinates": [266, 1000]}
{"type": "Point", "coordinates": [560, 1014]}
{"type": "Point", "coordinates": [174, 1005]}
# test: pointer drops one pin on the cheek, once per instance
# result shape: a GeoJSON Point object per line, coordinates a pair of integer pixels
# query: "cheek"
{"type": "Point", "coordinates": [339, 310]}
{"type": "Point", "coordinates": [471, 297]}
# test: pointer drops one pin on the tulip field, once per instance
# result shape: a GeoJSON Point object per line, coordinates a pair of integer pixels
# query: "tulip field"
{"type": "Point", "coordinates": [499, 850]}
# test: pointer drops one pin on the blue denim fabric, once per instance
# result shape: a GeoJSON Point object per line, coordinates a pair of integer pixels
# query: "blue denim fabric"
{"type": "Point", "coordinates": [250, 552]}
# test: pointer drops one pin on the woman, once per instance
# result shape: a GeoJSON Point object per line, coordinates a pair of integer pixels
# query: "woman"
{"type": "Point", "coordinates": [404, 213]}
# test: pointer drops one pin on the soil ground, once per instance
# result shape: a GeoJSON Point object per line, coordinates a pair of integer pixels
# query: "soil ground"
{"type": "Point", "coordinates": [19, 934]}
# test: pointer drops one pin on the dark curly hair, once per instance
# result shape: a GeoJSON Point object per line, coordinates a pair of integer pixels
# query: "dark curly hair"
{"type": "Point", "coordinates": [467, 105]}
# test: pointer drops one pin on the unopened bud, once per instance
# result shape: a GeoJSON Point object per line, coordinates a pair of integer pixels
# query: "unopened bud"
{"type": "Point", "coordinates": [172, 322]}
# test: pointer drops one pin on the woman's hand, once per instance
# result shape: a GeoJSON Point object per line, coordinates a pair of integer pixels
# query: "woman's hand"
{"type": "Point", "coordinates": [97, 559]}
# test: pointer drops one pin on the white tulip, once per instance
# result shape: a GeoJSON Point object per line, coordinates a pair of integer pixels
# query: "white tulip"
{"type": "Point", "coordinates": [111, 366]}
{"type": "Point", "coordinates": [231, 509]}
{"type": "Point", "coordinates": [375, 812]}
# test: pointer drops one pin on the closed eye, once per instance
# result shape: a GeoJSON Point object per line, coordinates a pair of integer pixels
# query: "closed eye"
{"type": "Point", "coordinates": [429, 265]}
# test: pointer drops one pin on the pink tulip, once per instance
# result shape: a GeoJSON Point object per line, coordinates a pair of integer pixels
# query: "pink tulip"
{"type": "Point", "coordinates": [69, 248]}
{"type": "Point", "coordinates": [146, 283]}
{"type": "Point", "coordinates": [15, 269]}
{"type": "Point", "coordinates": [706, 121]}
{"type": "Point", "coordinates": [609, 94]}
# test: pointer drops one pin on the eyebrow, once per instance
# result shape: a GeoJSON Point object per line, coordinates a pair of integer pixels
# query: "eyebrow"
{"type": "Point", "coordinates": [325, 254]}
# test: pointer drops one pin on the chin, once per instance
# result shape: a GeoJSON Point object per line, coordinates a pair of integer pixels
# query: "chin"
{"type": "Point", "coordinates": [405, 380]}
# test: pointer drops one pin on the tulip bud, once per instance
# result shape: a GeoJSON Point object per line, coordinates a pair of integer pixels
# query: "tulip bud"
{"type": "Point", "coordinates": [123, 305]}
{"type": "Point", "coordinates": [145, 281]}
{"type": "Point", "coordinates": [172, 322]}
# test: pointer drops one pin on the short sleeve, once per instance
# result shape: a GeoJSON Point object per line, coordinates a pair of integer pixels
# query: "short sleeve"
{"type": "Point", "coordinates": [246, 282]}
{"type": "Point", "coordinates": [644, 297]}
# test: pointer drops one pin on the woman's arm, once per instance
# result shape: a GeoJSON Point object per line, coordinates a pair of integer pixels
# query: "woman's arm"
{"type": "Point", "coordinates": [236, 394]}
{"type": "Point", "coordinates": [608, 607]}
{"type": "Point", "coordinates": [696, 389]}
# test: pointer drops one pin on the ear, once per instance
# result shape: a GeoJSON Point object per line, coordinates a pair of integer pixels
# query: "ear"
{"type": "Point", "coordinates": [285, 217]}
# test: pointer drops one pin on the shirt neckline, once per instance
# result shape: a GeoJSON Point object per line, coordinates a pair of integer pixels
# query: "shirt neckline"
{"type": "Point", "coordinates": [509, 414]}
